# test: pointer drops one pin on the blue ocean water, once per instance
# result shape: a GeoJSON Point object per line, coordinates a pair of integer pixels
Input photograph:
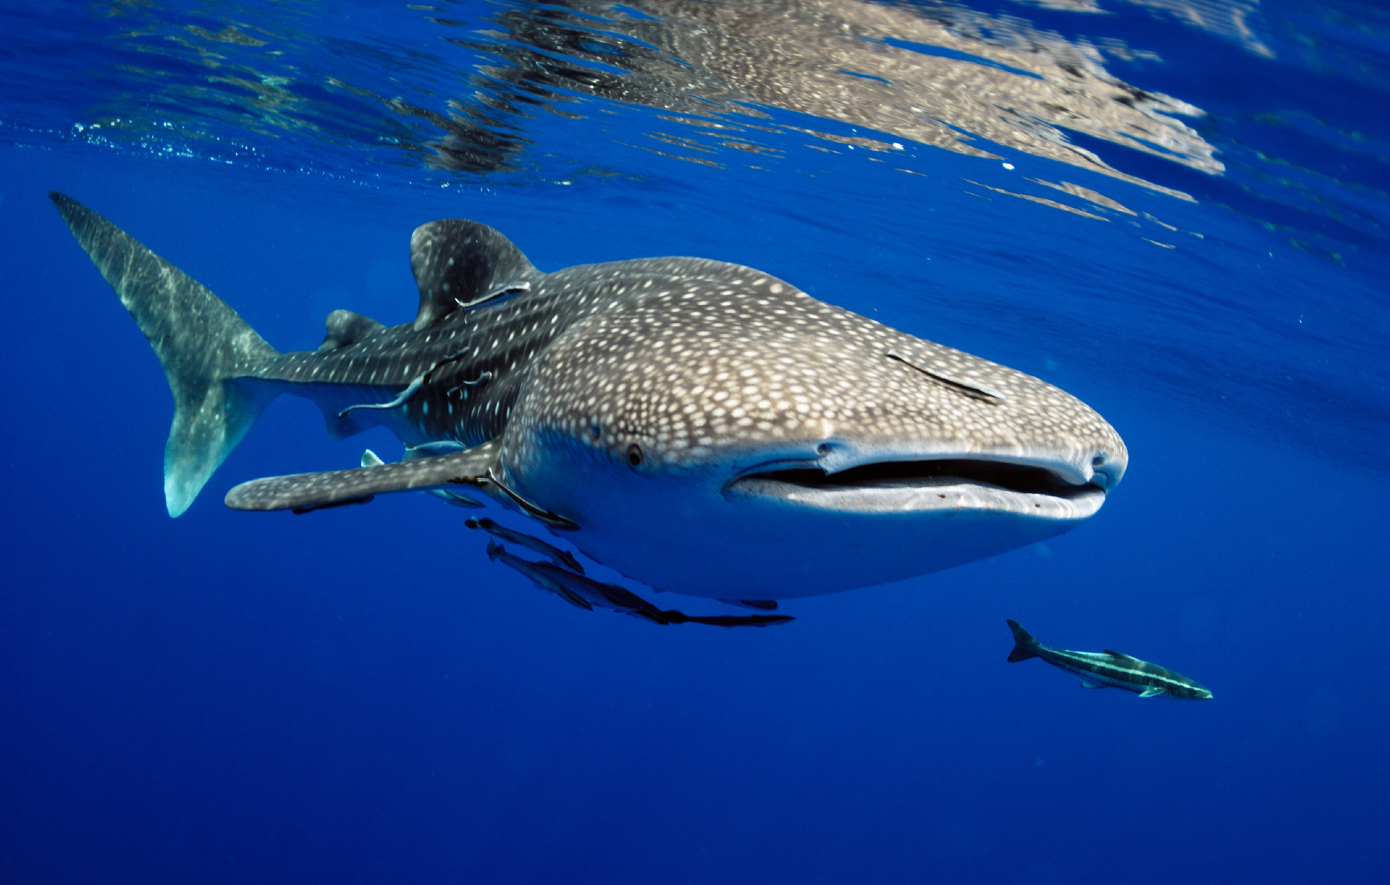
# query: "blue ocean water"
{"type": "Point", "coordinates": [1176, 211]}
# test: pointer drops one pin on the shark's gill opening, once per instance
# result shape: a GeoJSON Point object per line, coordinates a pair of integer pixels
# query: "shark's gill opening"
{"type": "Point", "coordinates": [886, 474]}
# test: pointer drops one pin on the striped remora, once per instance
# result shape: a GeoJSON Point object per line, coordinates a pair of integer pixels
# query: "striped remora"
{"type": "Point", "coordinates": [1108, 669]}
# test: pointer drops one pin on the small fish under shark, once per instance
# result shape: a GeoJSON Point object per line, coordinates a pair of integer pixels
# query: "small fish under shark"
{"type": "Point", "coordinates": [700, 427]}
{"type": "Point", "coordinates": [586, 593]}
{"type": "Point", "coordinates": [1108, 669]}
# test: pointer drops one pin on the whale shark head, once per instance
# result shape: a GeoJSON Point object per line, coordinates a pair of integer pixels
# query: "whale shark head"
{"type": "Point", "coordinates": [724, 434]}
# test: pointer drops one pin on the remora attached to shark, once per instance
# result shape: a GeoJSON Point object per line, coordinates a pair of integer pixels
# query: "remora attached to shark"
{"type": "Point", "coordinates": [700, 427]}
{"type": "Point", "coordinates": [1107, 669]}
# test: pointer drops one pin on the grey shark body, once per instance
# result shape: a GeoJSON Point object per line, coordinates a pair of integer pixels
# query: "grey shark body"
{"type": "Point", "coordinates": [1108, 669]}
{"type": "Point", "coordinates": [698, 426]}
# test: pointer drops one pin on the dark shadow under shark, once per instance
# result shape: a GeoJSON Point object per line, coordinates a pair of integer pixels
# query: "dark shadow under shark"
{"type": "Point", "coordinates": [699, 427]}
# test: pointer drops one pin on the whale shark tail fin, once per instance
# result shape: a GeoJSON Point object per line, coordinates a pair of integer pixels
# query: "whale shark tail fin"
{"type": "Point", "coordinates": [1025, 646]}
{"type": "Point", "coordinates": [202, 343]}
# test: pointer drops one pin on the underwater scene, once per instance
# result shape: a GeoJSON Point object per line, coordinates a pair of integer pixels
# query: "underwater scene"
{"type": "Point", "coordinates": [695, 441]}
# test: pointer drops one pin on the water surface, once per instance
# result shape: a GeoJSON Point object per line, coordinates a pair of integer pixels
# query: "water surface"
{"type": "Point", "coordinates": [1175, 211]}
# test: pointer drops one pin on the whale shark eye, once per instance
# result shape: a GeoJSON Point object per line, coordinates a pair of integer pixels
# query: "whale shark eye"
{"type": "Point", "coordinates": [634, 455]}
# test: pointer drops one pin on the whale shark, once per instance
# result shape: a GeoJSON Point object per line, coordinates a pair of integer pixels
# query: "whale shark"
{"type": "Point", "coordinates": [699, 427]}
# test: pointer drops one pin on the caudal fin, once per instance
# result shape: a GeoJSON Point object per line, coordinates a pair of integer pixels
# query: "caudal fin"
{"type": "Point", "coordinates": [1025, 646]}
{"type": "Point", "coordinates": [202, 343]}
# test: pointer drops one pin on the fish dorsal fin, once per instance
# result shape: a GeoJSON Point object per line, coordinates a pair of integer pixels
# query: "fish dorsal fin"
{"type": "Point", "coordinates": [458, 263]}
{"type": "Point", "coordinates": [1119, 654]}
{"type": "Point", "coordinates": [346, 328]}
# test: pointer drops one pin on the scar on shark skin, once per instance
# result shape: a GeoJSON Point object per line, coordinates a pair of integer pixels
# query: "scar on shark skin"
{"type": "Point", "coordinates": [972, 390]}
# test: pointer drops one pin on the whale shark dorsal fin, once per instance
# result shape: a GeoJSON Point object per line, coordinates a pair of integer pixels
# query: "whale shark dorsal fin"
{"type": "Point", "coordinates": [303, 492]}
{"type": "Point", "coordinates": [345, 328]}
{"type": "Point", "coordinates": [458, 263]}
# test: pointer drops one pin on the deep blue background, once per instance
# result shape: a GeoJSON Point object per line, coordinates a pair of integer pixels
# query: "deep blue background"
{"type": "Point", "coordinates": [359, 696]}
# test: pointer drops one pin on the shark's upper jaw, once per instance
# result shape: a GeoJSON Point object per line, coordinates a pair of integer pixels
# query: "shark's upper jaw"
{"type": "Point", "coordinates": [868, 474]}
{"type": "Point", "coordinates": [1032, 490]}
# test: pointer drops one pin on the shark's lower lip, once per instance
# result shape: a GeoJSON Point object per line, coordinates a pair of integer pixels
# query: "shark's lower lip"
{"type": "Point", "coordinates": [927, 486]}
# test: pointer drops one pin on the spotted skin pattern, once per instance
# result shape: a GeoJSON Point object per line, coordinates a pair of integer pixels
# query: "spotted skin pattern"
{"type": "Point", "coordinates": [563, 389]}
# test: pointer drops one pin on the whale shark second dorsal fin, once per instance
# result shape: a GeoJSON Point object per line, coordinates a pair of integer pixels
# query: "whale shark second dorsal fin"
{"type": "Point", "coordinates": [346, 328]}
{"type": "Point", "coordinates": [458, 263]}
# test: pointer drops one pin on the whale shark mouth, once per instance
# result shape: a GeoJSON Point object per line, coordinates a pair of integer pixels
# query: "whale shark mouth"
{"type": "Point", "coordinates": [936, 485]}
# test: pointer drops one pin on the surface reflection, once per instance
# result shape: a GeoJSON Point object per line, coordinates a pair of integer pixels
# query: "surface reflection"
{"type": "Point", "coordinates": [461, 93]}
{"type": "Point", "coordinates": [937, 75]}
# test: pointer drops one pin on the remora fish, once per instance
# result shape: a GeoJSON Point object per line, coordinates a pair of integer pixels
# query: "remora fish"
{"type": "Point", "coordinates": [559, 557]}
{"type": "Point", "coordinates": [587, 593]}
{"type": "Point", "coordinates": [701, 427]}
{"type": "Point", "coordinates": [1108, 669]}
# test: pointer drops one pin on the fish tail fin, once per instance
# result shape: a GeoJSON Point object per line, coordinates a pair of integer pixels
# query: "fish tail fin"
{"type": "Point", "coordinates": [494, 550]}
{"type": "Point", "coordinates": [1025, 646]}
{"type": "Point", "coordinates": [202, 343]}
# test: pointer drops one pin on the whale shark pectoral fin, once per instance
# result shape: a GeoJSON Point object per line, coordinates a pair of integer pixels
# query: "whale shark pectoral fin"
{"type": "Point", "coordinates": [311, 491]}
{"type": "Point", "coordinates": [370, 459]}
